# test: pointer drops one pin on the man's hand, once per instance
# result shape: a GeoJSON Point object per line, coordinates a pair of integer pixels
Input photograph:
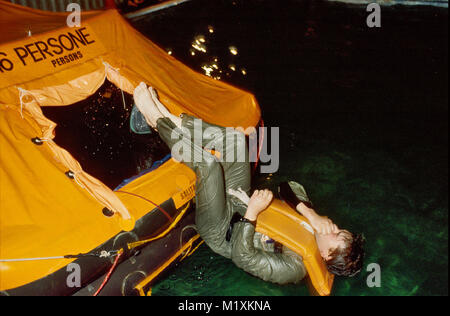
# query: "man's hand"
{"type": "Point", "coordinates": [259, 201]}
{"type": "Point", "coordinates": [321, 224]}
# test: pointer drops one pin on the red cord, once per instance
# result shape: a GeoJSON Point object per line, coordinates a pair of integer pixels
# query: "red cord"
{"type": "Point", "coordinates": [116, 261]}
{"type": "Point", "coordinates": [260, 145]}
{"type": "Point", "coordinates": [159, 207]}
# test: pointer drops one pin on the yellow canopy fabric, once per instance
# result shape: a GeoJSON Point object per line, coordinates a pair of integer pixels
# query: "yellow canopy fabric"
{"type": "Point", "coordinates": [42, 211]}
{"type": "Point", "coordinates": [107, 37]}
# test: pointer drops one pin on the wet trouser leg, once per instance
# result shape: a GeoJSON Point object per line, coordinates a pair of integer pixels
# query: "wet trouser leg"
{"type": "Point", "coordinates": [231, 144]}
{"type": "Point", "coordinates": [214, 208]}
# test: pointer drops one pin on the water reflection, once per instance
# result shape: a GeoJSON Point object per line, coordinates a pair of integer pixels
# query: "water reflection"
{"type": "Point", "coordinates": [233, 50]}
{"type": "Point", "coordinates": [203, 46]}
{"type": "Point", "coordinates": [199, 44]}
{"type": "Point", "coordinates": [208, 70]}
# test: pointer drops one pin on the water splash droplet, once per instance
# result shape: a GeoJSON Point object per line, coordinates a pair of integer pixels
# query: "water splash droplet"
{"type": "Point", "coordinates": [233, 50]}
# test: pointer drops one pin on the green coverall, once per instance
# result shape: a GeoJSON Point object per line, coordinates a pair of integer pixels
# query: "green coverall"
{"type": "Point", "coordinates": [215, 207]}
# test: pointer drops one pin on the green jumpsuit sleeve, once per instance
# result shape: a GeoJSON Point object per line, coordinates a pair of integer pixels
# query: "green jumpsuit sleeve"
{"type": "Point", "coordinates": [273, 267]}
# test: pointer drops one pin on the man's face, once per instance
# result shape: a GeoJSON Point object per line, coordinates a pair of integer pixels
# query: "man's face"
{"type": "Point", "coordinates": [329, 242]}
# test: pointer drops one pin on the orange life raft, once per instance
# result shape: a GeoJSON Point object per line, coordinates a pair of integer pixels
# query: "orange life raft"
{"type": "Point", "coordinates": [45, 213]}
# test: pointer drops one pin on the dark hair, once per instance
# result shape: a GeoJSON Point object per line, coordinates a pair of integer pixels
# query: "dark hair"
{"type": "Point", "coordinates": [347, 260]}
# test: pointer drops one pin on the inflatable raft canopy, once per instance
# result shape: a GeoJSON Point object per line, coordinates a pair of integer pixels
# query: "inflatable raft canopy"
{"type": "Point", "coordinates": [45, 63]}
{"type": "Point", "coordinates": [51, 207]}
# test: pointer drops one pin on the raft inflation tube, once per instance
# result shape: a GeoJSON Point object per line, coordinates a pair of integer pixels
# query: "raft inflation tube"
{"type": "Point", "coordinates": [164, 234]}
{"type": "Point", "coordinates": [281, 223]}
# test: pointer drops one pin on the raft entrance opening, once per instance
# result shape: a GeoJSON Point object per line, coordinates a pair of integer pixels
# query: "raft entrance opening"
{"type": "Point", "coordinates": [96, 131]}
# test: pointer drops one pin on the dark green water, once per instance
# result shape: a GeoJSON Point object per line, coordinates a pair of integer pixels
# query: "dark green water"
{"type": "Point", "coordinates": [363, 125]}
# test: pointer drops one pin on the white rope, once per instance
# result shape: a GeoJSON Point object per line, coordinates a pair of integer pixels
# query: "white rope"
{"type": "Point", "coordinates": [123, 100]}
{"type": "Point", "coordinates": [108, 66]}
{"type": "Point", "coordinates": [31, 259]}
{"type": "Point", "coordinates": [102, 254]}
{"type": "Point", "coordinates": [75, 175]}
{"type": "Point", "coordinates": [44, 139]}
{"type": "Point", "coordinates": [22, 94]}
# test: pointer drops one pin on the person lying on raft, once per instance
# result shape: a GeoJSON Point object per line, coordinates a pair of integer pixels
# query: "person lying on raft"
{"type": "Point", "coordinates": [221, 199]}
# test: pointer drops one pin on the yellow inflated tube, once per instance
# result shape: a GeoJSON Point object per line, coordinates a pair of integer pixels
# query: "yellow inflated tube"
{"type": "Point", "coordinates": [281, 223]}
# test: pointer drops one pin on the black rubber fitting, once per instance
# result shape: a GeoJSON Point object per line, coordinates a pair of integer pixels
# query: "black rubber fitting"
{"type": "Point", "coordinates": [107, 212]}
{"type": "Point", "coordinates": [37, 141]}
